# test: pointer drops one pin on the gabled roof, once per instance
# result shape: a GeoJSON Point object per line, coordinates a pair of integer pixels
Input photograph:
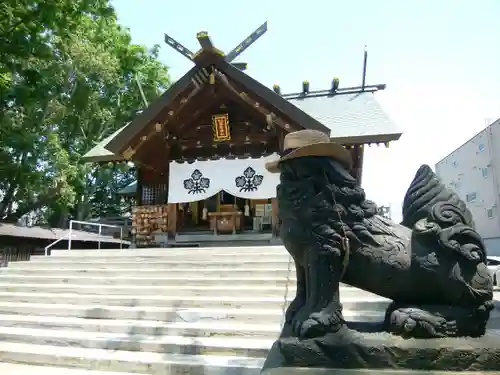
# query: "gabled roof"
{"type": "Point", "coordinates": [234, 74]}
{"type": "Point", "coordinates": [148, 114]}
{"type": "Point", "coordinates": [351, 118]}
{"type": "Point", "coordinates": [277, 101]}
{"type": "Point", "coordinates": [129, 189]}
{"type": "Point", "coordinates": [99, 153]}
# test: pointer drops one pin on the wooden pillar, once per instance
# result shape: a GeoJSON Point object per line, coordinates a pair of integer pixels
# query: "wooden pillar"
{"type": "Point", "coordinates": [275, 223]}
{"type": "Point", "coordinates": [172, 208]}
{"type": "Point", "coordinates": [138, 192]}
{"type": "Point", "coordinates": [172, 220]}
{"type": "Point", "coordinates": [356, 152]}
{"type": "Point", "coordinates": [359, 162]}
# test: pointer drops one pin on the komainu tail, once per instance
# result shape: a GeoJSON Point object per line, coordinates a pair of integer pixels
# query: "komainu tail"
{"type": "Point", "coordinates": [424, 192]}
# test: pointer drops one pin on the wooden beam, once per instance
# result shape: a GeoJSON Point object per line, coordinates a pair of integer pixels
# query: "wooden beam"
{"type": "Point", "coordinates": [179, 47]}
{"type": "Point", "coordinates": [247, 42]}
{"type": "Point", "coordinates": [168, 116]}
{"type": "Point", "coordinates": [204, 153]}
{"type": "Point", "coordinates": [206, 141]}
{"type": "Point", "coordinates": [245, 99]}
{"type": "Point", "coordinates": [205, 41]}
{"type": "Point", "coordinates": [280, 106]}
{"type": "Point", "coordinates": [121, 142]}
{"type": "Point", "coordinates": [199, 109]}
{"type": "Point", "coordinates": [153, 158]}
{"type": "Point", "coordinates": [241, 65]}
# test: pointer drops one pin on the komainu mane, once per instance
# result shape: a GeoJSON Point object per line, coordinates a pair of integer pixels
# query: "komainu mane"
{"type": "Point", "coordinates": [432, 265]}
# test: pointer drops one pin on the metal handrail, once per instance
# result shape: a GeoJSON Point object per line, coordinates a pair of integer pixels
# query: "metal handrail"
{"type": "Point", "coordinates": [100, 226]}
{"type": "Point", "coordinates": [53, 243]}
{"type": "Point", "coordinates": [69, 235]}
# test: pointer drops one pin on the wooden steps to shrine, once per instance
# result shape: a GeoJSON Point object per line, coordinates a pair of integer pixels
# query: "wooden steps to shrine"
{"type": "Point", "coordinates": [152, 311]}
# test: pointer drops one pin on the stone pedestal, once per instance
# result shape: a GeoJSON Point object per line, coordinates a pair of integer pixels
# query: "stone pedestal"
{"type": "Point", "coordinates": [349, 350]}
{"type": "Point", "coordinates": [329, 371]}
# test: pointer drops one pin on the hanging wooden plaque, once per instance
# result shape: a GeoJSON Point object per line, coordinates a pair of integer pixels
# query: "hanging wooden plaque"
{"type": "Point", "coordinates": [220, 127]}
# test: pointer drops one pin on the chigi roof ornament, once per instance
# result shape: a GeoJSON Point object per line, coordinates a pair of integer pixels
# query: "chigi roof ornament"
{"type": "Point", "coordinates": [207, 46]}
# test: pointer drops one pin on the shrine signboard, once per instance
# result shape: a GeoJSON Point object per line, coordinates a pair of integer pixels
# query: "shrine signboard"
{"type": "Point", "coordinates": [220, 127]}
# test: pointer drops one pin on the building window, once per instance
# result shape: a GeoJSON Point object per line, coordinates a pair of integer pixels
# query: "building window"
{"type": "Point", "coordinates": [481, 147]}
{"type": "Point", "coordinates": [454, 164]}
{"type": "Point", "coordinates": [471, 197]}
{"type": "Point", "coordinates": [154, 194]}
{"type": "Point", "coordinates": [489, 212]}
{"type": "Point", "coordinates": [484, 172]}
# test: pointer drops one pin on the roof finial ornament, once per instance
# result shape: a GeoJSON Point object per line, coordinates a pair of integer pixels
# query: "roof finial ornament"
{"type": "Point", "coordinates": [365, 59]}
{"type": "Point", "coordinates": [208, 47]}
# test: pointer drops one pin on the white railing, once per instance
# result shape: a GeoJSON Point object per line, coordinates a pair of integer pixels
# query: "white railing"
{"type": "Point", "coordinates": [53, 243]}
{"type": "Point", "coordinates": [99, 225]}
{"type": "Point", "coordinates": [69, 235]}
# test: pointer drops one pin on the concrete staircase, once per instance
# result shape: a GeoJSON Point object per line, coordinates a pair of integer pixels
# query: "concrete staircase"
{"type": "Point", "coordinates": [158, 311]}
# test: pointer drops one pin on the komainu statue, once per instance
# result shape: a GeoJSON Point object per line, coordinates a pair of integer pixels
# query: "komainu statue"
{"type": "Point", "coordinates": [432, 265]}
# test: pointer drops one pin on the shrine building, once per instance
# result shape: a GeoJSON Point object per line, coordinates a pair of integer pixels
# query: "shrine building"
{"type": "Point", "coordinates": [201, 147]}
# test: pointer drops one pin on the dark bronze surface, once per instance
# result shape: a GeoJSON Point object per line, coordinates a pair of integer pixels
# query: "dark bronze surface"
{"type": "Point", "coordinates": [432, 265]}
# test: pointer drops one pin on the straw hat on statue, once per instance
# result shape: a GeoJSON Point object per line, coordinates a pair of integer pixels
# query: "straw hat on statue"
{"type": "Point", "coordinates": [307, 142]}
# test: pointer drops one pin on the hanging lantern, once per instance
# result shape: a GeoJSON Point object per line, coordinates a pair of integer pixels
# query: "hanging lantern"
{"type": "Point", "coordinates": [247, 209]}
{"type": "Point", "coordinates": [204, 214]}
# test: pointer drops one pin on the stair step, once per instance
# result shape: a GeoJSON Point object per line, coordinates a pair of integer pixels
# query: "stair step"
{"type": "Point", "coordinates": [144, 272]}
{"type": "Point", "coordinates": [154, 311]}
{"type": "Point", "coordinates": [257, 311]}
{"type": "Point", "coordinates": [17, 369]}
{"type": "Point", "coordinates": [56, 279]}
{"type": "Point", "coordinates": [159, 328]}
{"type": "Point", "coordinates": [230, 264]}
{"type": "Point", "coordinates": [167, 314]}
{"type": "Point", "coordinates": [234, 250]}
{"type": "Point", "coordinates": [150, 290]}
{"type": "Point", "coordinates": [250, 347]}
{"type": "Point", "coordinates": [166, 257]}
{"type": "Point", "coordinates": [126, 361]}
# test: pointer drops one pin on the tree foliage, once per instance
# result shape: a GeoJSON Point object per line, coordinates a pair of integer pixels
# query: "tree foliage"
{"type": "Point", "coordinates": [68, 79]}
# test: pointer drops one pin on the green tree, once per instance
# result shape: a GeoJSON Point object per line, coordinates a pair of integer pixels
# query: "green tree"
{"type": "Point", "coordinates": [67, 80]}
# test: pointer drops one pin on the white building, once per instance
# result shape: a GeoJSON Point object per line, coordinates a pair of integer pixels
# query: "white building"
{"type": "Point", "coordinates": [472, 170]}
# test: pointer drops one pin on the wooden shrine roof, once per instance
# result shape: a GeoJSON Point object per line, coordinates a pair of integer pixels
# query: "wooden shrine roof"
{"type": "Point", "coordinates": [197, 75]}
{"type": "Point", "coordinates": [352, 118]}
{"type": "Point", "coordinates": [348, 117]}
{"type": "Point", "coordinates": [99, 153]}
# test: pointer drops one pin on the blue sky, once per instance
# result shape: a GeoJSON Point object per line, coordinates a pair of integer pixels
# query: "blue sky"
{"type": "Point", "coordinates": [440, 60]}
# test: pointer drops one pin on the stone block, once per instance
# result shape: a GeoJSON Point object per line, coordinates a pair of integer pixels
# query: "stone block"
{"type": "Point", "coordinates": [349, 349]}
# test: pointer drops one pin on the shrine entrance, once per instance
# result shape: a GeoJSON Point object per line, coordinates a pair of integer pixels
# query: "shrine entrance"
{"type": "Point", "coordinates": [236, 195]}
